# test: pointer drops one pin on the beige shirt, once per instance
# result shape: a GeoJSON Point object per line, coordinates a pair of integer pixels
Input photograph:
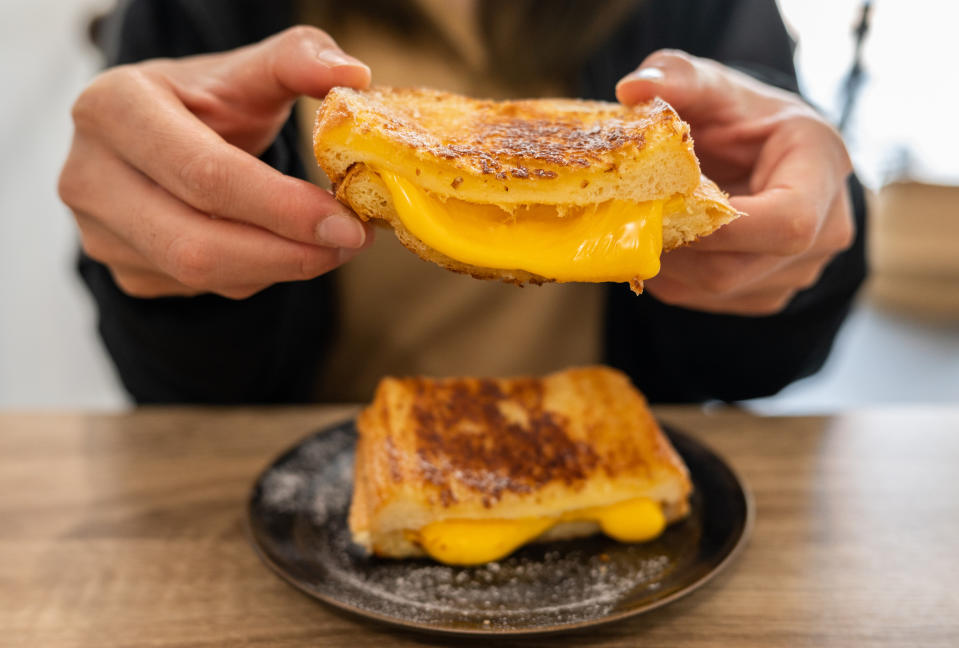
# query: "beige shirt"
{"type": "Point", "coordinates": [400, 315]}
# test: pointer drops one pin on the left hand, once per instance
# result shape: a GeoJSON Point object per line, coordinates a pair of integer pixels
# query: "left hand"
{"type": "Point", "coordinates": [164, 180]}
{"type": "Point", "coordinates": [784, 166]}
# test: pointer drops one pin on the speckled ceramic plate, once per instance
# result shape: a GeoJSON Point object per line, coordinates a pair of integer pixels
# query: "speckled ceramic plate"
{"type": "Point", "coordinates": [297, 517]}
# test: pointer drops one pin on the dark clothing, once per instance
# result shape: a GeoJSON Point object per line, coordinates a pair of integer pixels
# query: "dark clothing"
{"type": "Point", "coordinates": [268, 348]}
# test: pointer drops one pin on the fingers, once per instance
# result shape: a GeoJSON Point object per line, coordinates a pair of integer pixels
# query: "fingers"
{"type": "Point", "coordinates": [148, 285]}
{"type": "Point", "coordinates": [223, 181]}
{"type": "Point", "coordinates": [727, 275]}
{"type": "Point", "coordinates": [677, 77]}
{"type": "Point", "coordinates": [180, 242]}
{"type": "Point", "coordinates": [131, 271]}
{"type": "Point", "coordinates": [245, 95]}
{"type": "Point", "coordinates": [788, 167]}
{"type": "Point", "coordinates": [718, 273]}
{"type": "Point", "coordinates": [164, 186]}
{"type": "Point", "coordinates": [796, 180]}
{"type": "Point", "coordinates": [839, 231]}
{"type": "Point", "coordinates": [750, 284]}
{"type": "Point", "coordinates": [765, 296]}
{"type": "Point", "coordinates": [151, 129]}
{"type": "Point", "coordinates": [301, 60]}
{"type": "Point", "coordinates": [701, 90]}
{"type": "Point", "coordinates": [754, 303]}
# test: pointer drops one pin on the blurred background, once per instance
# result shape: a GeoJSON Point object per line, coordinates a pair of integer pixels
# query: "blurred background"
{"type": "Point", "coordinates": [900, 345]}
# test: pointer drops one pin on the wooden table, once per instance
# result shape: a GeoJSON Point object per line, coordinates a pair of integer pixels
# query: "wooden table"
{"type": "Point", "coordinates": [127, 530]}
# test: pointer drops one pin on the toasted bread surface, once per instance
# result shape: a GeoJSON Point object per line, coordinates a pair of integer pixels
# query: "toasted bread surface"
{"type": "Point", "coordinates": [469, 448]}
{"type": "Point", "coordinates": [543, 151]}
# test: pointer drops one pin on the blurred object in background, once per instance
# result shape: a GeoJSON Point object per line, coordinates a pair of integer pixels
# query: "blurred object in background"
{"type": "Point", "coordinates": [856, 77]}
{"type": "Point", "coordinates": [895, 101]}
{"type": "Point", "coordinates": [907, 97]}
{"type": "Point", "coordinates": [901, 342]}
{"type": "Point", "coordinates": [49, 353]}
{"type": "Point", "coordinates": [914, 250]}
{"type": "Point", "coordinates": [914, 223]}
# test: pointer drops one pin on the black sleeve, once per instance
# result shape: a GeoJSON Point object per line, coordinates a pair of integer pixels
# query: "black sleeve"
{"type": "Point", "coordinates": [208, 349]}
{"type": "Point", "coordinates": [679, 355]}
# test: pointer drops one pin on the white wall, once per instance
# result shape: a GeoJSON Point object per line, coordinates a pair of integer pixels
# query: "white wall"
{"type": "Point", "coordinates": [910, 100]}
{"type": "Point", "coordinates": [911, 97]}
{"type": "Point", "coordinates": [49, 355]}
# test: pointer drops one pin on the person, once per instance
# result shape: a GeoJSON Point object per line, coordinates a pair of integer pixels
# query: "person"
{"type": "Point", "coordinates": [222, 275]}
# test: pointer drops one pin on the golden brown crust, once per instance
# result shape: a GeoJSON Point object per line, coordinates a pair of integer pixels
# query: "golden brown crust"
{"type": "Point", "coordinates": [491, 437]}
{"type": "Point", "coordinates": [522, 140]}
{"type": "Point", "coordinates": [502, 448]}
{"type": "Point", "coordinates": [542, 151]}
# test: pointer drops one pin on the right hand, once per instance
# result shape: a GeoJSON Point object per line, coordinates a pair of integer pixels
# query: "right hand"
{"type": "Point", "coordinates": [164, 181]}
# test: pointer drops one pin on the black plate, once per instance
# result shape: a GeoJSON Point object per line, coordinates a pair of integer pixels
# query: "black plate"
{"type": "Point", "coordinates": [297, 517]}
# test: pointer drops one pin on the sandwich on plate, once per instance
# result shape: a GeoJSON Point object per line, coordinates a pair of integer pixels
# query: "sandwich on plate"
{"type": "Point", "coordinates": [467, 470]}
{"type": "Point", "coordinates": [524, 191]}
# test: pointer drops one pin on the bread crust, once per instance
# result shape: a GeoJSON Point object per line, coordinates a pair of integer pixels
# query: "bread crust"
{"type": "Point", "coordinates": [545, 151]}
{"type": "Point", "coordinates": [432, 449]}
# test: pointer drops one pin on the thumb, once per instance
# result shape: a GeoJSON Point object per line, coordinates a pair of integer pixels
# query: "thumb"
{"type": "Point", "coordinates": [298, 61]}
{"type": "Point", "coordinates": [695, 87]}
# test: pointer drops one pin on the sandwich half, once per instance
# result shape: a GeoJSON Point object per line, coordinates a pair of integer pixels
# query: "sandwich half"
{"type": "Point", "coordinates": [523, 191]}
{"type": "Point", "coordinates": [466, 470]}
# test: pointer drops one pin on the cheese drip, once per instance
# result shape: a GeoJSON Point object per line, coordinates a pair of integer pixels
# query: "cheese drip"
{"type": "Point", "coordinates": [473, 542]}
{"type": "Point", "coordinates": [617, 240]}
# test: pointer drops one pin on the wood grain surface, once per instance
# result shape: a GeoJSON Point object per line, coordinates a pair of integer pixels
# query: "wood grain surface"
{"type": "Point", "coordinates": [127, 530]}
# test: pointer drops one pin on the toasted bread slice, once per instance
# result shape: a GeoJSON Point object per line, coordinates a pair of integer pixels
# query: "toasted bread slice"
{"type": "Point", "coordinates": [567, 154]}
{"type": "Point", "coordinates": [527, 449]}
{"type": "Point", "coordinates": [508, 153]}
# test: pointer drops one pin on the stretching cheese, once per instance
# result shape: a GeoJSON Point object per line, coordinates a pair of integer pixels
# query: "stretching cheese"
{"type": "Point", "coordinates": [617, 240]}
{"type": "Point", "coordinates": [473, 542]}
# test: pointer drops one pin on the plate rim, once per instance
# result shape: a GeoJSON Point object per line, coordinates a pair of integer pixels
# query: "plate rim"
{"type": "Point", "coordinates": [669, 429]}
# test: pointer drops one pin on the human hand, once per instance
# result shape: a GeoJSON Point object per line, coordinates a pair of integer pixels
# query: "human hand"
{"type": "Point", "coordinates": [783, 165]}
{"type": "Point", "coordinates": [164, 181]}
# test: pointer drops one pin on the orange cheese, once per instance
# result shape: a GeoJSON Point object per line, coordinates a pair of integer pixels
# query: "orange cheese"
{"type": "Point", "coordinates": [473, 542]}
{"type": "Point", "coordinates": [617, 240]}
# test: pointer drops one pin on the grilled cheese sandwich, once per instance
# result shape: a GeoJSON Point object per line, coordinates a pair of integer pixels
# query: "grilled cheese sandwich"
{"type": "Point", "coordinates": [467, 470]}
{"type": "Point", "coordinates": [523, 191]}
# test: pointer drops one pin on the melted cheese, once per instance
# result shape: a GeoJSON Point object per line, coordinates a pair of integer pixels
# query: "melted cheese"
{"type": "Point", "coordinates": [473, 542]}
{"type": "Point", "coordinates": [615, 241]}
{"type": "Point", "coordinates": [634, 520]}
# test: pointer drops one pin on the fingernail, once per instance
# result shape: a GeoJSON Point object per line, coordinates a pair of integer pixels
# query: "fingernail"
{"type": "Point", "coordinates": [334, 58]}
{"type": "Point", "coordinates": [340, 230]}
{"type": "Point", "coordinates": [646, 74]}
